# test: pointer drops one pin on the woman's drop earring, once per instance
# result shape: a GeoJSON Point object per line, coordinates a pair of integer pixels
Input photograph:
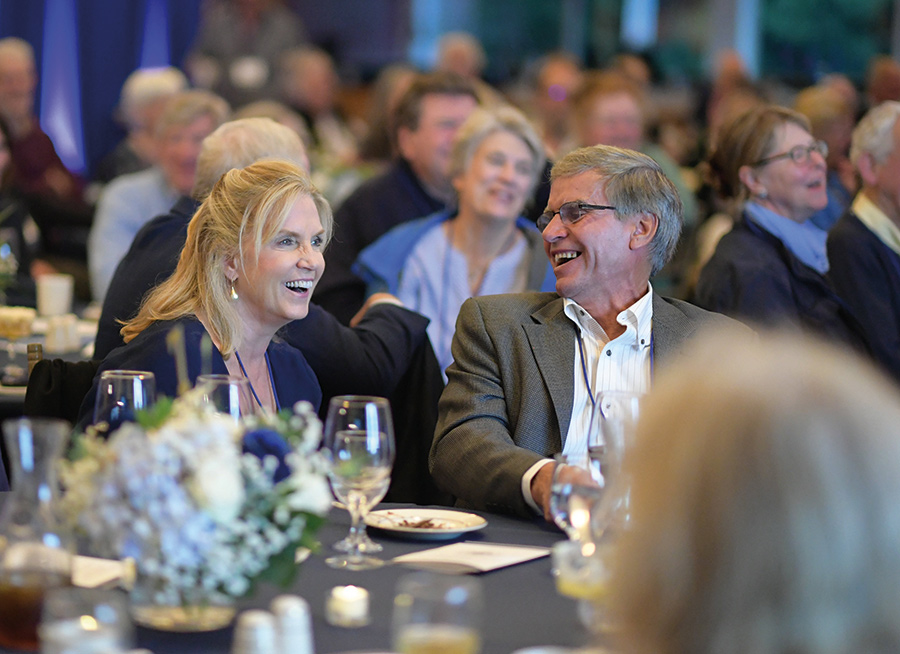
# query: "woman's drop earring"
{"type": "Point", "coordinates": [234, 295]}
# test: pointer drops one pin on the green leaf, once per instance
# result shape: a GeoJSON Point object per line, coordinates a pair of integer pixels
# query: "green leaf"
{"type": "Point", "coordinates": [155, 416]}
{"type": "Point", "coordinates": [282, 569]}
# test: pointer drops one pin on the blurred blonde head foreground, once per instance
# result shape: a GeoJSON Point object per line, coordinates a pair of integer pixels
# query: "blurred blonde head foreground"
{"type": "Point", "coordinates": [766, 504]}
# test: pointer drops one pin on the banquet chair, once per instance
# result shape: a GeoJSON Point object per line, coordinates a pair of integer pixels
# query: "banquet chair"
{"type": "Point", "coordinates": [414, 407]}
{"type": "Point", "coordinates": [56, 388]}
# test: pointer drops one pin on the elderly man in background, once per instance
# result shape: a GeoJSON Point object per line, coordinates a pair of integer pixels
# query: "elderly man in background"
{"type": "Point", "coordinates": [528, 367]}
{"type": "Point", "coordinates": [143, 97]}
{"type": "Point", "coordinates": [417, 184]}
{"type": "Point", "coordinates": [37, 168]}
{"type": "Point", "coordinates": [130, 201]}
{"type": "Point", "coordinates": [864, 245]}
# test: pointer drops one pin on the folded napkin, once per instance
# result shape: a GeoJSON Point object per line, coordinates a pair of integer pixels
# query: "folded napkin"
{"type": "Point", "coordinates": [91, 572]}
{"type": "Point", "coordinates": [470, 557]}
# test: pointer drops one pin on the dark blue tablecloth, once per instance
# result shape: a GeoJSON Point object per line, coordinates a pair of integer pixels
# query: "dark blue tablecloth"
{"type": "Point", "coordinates": [522, 606]}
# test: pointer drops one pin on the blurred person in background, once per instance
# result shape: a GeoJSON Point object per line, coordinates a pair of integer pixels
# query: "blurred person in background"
{"type": "Point", "coordinates": [882, 80]}
{"type": "Point", "coordinates": [764, 513]}
{"type": "Point", "coordinates": [392, 82]}
{"type": "Point", "coordinates": [770, 268]}
{"type": "Point", "coordinates": [238, 47]}
{"type": "Point", "coordinates": [831, 120]}
{"type": "Point", "coordinates": [482, 247]}
{"type": "Point", "coordinates": [415, 185]}
{"type": "Point", "coordinates": [558, 77]}
{"type": "Point", "coordinates": [142, 100]}
{"type": "Point", "coordinates": [864, 246]}
{"type": "Point", "coordinates": [130, 201]}
{"type": "Point", "coordinates": [311, 85]}
{"type": "Point", "coordinates": [53, 195]}
{"type": "Point", "coordinates": [610, 109]}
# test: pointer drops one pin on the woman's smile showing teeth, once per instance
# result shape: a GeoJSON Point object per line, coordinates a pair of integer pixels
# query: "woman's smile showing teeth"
{"type": "Point", "coordinates": [300, 285]}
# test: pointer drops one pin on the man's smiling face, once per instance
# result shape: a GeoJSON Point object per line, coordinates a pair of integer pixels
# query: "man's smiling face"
{"type": "Point", "coordinates": [592, 256]}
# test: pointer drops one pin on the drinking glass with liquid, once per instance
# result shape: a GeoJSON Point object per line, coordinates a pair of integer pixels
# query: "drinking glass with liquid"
{"type": "Point", "coordinates": [435, 613]}
{"type": "Point", "coordinates": [572, 501]}
{"type": "Point", "coordinates": [35, 548]}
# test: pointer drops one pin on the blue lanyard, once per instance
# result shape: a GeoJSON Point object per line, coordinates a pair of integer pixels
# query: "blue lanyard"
{"type": "Point", "coordinates": [271, 382]}
{"type": "Point", "coordinates": [587, 381]}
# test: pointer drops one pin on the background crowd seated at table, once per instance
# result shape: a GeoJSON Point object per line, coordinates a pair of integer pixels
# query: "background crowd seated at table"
{"type": "Point", "coordinates": [688, 581]}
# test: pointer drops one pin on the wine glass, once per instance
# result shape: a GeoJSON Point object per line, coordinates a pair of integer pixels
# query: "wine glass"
{"type": "Point", "coordinates": [226, 394]}
{"type": "Point", "coordinates": [572, 503]}
{"type": "Point", "coordinates": [437, 613]}
{"type": "Point", "coordinates": [121, 393]}
{"type": "Point", "coordinates": [358, 532]}
{"type": "Point", "coordinates": [359, 440]}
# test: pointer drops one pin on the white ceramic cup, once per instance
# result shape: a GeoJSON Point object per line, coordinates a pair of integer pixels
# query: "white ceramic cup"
{"type": "Point", "coordinates": [54, 294]}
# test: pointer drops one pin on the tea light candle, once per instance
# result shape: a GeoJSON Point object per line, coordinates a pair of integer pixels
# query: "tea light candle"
{"type": "Point", "coordinates": [347, 606]}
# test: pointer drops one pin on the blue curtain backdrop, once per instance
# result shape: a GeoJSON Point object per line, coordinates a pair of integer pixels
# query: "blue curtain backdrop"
{"type": "Point", "coordinates": [108, 37]}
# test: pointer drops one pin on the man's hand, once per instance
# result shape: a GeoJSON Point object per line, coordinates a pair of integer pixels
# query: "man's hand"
{"type": "Point", "coordinates": [541, 482]}
{"type": "Point", "coordinates": [375, 298]}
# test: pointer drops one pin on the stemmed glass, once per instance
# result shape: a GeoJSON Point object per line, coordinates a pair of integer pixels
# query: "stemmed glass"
{"type": "Point", "coordinates": [359, 440]}
{"type": "Point", "coordinates": [121, 393]}
{"type": "Point", "coordinates": [226, 394]}
{"type": "Point", "coordinates": [358, 536]}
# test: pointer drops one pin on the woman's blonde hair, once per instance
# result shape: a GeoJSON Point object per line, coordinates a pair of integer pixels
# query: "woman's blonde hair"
{"type": "Point", "coordinates": [245, 209]}
{"type": "Point", "coordinates": [766, 504]}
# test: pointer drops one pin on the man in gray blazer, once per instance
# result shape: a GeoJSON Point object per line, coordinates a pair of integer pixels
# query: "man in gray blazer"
{"type": "Point", "coordinates": [528, 367]}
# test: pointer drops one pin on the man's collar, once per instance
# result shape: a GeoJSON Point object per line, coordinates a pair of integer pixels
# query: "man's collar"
{"type": "Point", "coordinates": [878, 222]}
{"type": "Point", "coordinates": [636, 318]}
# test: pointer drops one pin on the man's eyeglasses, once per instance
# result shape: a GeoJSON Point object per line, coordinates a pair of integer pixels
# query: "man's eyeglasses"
{"type": "Point", "coordinates": [570, 213]}
{"type": "Point", "coordinates": [799, 154]}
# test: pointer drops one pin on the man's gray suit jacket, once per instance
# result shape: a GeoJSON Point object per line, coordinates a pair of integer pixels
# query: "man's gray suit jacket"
{"type": "Point", "coordinates": [508, 399]}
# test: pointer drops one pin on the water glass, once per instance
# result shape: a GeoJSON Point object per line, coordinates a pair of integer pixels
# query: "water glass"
{"type": "Point", "coordinates": [121, 393]}
{"type": "Point", "coordinates": [437, 613]}
{"type": "Point", "coordinates": [359, 442]}
{"type": "Point", "coordinates": [583, 571]}
{"type": "Point", "coordinates": [572, 504]}
{"type": "Point", "coordinates": [226, 394]}
{"type": "Point", "coordinates": [85, 621]}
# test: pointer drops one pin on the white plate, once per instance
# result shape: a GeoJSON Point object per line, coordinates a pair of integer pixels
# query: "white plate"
{"type": "Point", "coordinates": [425, 524]}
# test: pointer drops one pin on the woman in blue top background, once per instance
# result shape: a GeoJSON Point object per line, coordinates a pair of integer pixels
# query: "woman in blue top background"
{"type": "Point", "coordinates": [483, 247]}
{"type": "Point", "coordinates": [254, 253]}
{"type": "Point", "coordinates": [770, 268]}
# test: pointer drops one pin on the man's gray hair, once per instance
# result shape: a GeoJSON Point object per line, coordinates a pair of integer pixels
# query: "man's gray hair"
{"type": "Point", "coordinates": [872, 135]}
{"type": "Point", "coordinates": [239, 143]}
{"type": "Point", "coordinates": [634, 183]}
{"type": "Point", "coordinates": [484, 122]}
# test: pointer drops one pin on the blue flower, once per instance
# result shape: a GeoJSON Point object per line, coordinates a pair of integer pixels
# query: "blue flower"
{"type": "Point", "coordinates": [267, 442]}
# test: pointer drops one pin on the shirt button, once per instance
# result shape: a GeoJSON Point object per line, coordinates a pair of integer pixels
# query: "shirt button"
{"type": "Point", "coordinates": [609, 353]}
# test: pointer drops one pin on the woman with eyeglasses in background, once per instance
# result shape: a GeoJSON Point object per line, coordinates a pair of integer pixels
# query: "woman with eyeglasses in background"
{"type": "Point", "coordinates": [770, 269]}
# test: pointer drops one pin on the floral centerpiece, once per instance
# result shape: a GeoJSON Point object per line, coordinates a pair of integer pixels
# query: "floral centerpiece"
{"type": "Point", "coordinates": [205, 505]}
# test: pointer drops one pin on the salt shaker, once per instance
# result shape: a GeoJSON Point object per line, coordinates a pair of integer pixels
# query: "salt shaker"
{"type": "Point", "coordinates": [293, 624]}
{"type": "Point", "coordinates": [254, 633]}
